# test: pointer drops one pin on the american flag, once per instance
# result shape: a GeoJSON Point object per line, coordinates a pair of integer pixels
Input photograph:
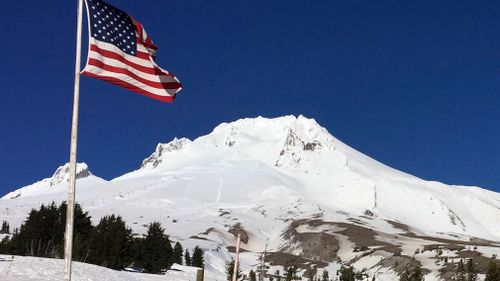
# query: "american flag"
{"type": "Point", "coordinates": [122, 53]}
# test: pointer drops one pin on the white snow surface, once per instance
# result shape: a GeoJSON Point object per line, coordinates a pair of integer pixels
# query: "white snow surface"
{"type": "Point", "coordinates": [261, 173]}
{"type": "Point", "coordinates": [16, 268]}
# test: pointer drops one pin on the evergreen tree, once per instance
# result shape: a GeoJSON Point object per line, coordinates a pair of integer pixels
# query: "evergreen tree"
{"type": "Point", "coordinates": [197, 259]}
{"type": "Point", "coordinates": [38, 234]}
{"type": "Point", "coordinates": [137, 252]}
{"type": "Point", "coordinates": [347, 273]}
{"type": "Point", "coordinates": [252, 276]}
{"type": "Point", "coordinates": [310, 275]}
{"type": "Point", "coordinates": [110, 244]}
{"type": "Point", "coordinates": [471, 271]}
{"type": "Point", "coordinates": [187, 258]}
{"type": "Point", "coordinates": [5, 245]}
{"type": "Point", "coordinates": [460, 272]}
{"type": "Point", "coordinates": [82, 231]}
{"type": "Point", "coordinates": [157, 250]}
{"type": "Point", "coordinates": [412, 274]}
{"type": "Point", "coordinates": [177, 253]}
{"type": "Point", "coordinates": [42, 234]}
{"type": "Point", "coordinates": [493, 273]}
{"type": "Point", "coordinates": [291, 273]}
{"type": "Point", "coordinates": [325, 276]}
{"type": "Point", "coordinates": [5, 228]}
{"type": "Point", "coordinates": [230, 271]}
{"type": "Point", "coordinates": [278, 276]}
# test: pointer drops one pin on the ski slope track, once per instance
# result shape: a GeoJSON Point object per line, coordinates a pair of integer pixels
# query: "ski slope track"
{"type": "Point", "coordinates": [288, 183]}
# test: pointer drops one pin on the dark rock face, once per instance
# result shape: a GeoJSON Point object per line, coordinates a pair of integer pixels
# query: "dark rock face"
{"type": "Point", "coordinates": [163, 148]}
{"type": "Point", "coordinates": [238, 229]}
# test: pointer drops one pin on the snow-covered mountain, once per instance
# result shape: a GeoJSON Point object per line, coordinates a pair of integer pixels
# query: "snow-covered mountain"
{"type": "Point", "coordinates": [288, 183]}
{"type": "Point", "coordinates": [56, 183]}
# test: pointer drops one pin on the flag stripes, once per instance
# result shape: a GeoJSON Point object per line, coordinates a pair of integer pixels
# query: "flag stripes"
{"type": "Point", "coordinates": [112, 60]}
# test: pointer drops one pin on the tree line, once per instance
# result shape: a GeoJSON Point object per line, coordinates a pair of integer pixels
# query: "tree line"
{"type": "Point", "coordinates": [464, 271]}
{"type": "Point", "coordinates": [110, 243]}
{"type": "Point", "coordinates": [291, 273]}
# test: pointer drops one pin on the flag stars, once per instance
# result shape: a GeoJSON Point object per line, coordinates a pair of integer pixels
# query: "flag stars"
{"type": "Point", "coordinates": [112, 26]}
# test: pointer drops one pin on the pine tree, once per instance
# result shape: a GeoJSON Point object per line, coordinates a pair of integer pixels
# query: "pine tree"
{"type": "Point", "coordinates": [82, 231]}
{"type": "Point", "coordinates": [157, 250]}
{"type": "Point", "coordinates": [493, 273]}
{"type": "Point", "coordinates": [230, 270]}
{"type": "Point", "coordinates": [347, 273]}
{"type": "Point", "coordinates": [5, 228]}
{"type": "Point", "coordinates": [460, 272]}
{"type": "Point", "coordinates": [252, 276]}
{"type": "Point", "coordinates": [177, 253]}
{"type": "Point", "coordinates": [278, 276]}
{"type": "Point", "coordinates": [325, 276]}
{"type": "Point", "coordinates": [5, 245]}
{"type": "Point", "coordinates": [471, 271]}
{"type": "Point", "coordinates": [412, 274]}
{"type": "Point", "coordinates": [187, 258]}
{"type": "Point", "coordinates": [291, 273]}
{"type": "Point", "coordinates": [42, 234]}
{"type": "Point", "coordinates": [110, 244]}
{"type": "Point", "coordinates": [38, 234]}
{"type": "Point", "coordinates": [310, 276]}
{"type": "Point", "coordinates": [197, 258]}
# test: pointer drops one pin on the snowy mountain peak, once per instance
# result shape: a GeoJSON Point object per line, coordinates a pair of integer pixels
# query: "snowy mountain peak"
{"type": "Point", "coordinates": [162, 149]}
{"type": "Point", "coordinates": [289, 130]}
{"type": "Point", "coordinates": [305, 127]}
{"type": "Point", "coordinates": [62, 173]}
{"type": "Point", "coordinates": [54, 184]}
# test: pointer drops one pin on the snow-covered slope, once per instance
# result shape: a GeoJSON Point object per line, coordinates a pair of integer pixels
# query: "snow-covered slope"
{"type": "Point", "coordinates": [298, 156]}
{"type": "Point", "coordinates": [56, 183]}
{"type": "Point", "coordinates": [279, 180]}
{"type": "Point", "coordinates": [15, 268]}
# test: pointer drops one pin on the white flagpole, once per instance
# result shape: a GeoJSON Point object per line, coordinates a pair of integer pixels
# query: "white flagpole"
{"type": "Point", "coordinates": [70, 204]}
{"type": "Point", "coordinates": [237, 259]}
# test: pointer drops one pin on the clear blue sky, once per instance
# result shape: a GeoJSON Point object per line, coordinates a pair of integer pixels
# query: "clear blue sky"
{"type": "Point", "coordinates": [413, 85]}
